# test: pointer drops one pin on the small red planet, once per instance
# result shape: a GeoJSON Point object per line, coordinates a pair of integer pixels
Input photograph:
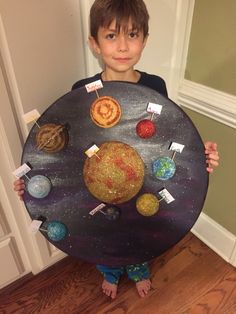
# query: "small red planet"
{"type": "Point", "coordinates": [145, 128]}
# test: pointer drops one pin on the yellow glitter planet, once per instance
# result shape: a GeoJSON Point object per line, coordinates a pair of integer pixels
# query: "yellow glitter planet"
{"type": "Point", "coordinates": [147, 204]}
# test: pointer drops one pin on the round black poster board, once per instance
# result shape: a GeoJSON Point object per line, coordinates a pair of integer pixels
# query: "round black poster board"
{"type": "Point", "coordinates": [132, 238]}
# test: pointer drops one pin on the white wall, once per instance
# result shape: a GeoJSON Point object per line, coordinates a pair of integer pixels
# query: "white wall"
{"type": "Point", "coordinates": [158, 52]}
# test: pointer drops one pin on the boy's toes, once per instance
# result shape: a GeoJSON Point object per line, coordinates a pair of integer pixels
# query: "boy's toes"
{"type": "Point", "coordinates": [109, 289]}
{"type": "Point", "coordinates": [143, 287]}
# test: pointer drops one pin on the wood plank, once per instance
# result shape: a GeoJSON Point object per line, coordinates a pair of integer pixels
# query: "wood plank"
{"type": "Point", "coordinates": [189, 278]}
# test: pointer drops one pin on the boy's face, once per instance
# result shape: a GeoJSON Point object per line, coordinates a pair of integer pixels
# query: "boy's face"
{"type": "Point", "coordinates": [120, 51]}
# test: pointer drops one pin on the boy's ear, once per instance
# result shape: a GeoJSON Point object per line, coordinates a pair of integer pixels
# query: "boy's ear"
{"type": "Point", "coordinates": [93, 44]}
{"type": "Point", "coordinates": [145, 41]}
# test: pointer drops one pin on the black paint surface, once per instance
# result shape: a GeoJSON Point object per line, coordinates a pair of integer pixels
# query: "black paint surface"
{"type": "Point", "coordinates": [132, 238]}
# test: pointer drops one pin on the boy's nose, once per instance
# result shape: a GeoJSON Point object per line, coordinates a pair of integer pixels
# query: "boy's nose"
{"type": "Point", "coordinates": [122, 44]}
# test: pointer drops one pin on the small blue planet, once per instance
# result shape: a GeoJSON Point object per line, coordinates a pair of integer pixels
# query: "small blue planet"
{"type": "Point", "coordinates": [164, 168]}
{"type": "Point", "coordinates": [56, 230]}
{"type": "Point", "coordinates": [39, 186]}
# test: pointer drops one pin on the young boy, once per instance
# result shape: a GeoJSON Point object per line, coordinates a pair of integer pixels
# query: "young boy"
{"type": "Point", "coordinates": [118, 35]}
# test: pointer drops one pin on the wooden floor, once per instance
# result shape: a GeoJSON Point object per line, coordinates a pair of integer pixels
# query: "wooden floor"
{"type": "Point", "coordinates": [189, 278]}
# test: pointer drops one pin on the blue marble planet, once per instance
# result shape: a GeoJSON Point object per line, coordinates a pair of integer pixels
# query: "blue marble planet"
{"type": "Point", "coordinates": [39, 186]}
{"type": "Point", "coordinates": [56, 230]}
{"type": "Point", "coordinates": [163, 168]}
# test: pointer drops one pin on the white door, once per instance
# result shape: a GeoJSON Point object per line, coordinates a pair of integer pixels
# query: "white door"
{"type": "Point", "coordinates": [20, 251]}
{"type": "Point", "coordinates": [13, 258]}
{"type": "Point", "coordinates": [41, 55]}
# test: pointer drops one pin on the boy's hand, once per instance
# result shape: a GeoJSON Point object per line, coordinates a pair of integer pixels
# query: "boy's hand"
{"type": "Point", "coordinates": [19, 186]}
{"type": "Point", "coordinates": [212, 156]}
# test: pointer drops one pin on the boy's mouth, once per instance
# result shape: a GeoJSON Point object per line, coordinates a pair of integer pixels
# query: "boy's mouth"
{"type": "Point", "coordinates": [122, 60]}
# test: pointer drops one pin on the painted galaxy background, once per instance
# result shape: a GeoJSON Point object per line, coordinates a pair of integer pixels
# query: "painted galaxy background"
{"type": "Point", "coordinates": [132, 238]}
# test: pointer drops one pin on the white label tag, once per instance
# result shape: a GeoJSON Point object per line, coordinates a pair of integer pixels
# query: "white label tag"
{"type": "Point", "coordinates": [154, 108]}
{"type": "Point", "coordinates": [96, 209]}
{"type": "Point", "coordinates": [21, 171]}
{"type": "Point", "coordinates": [92, 151]}
{"type": "Point", "coordinates": [176, 147]}
{"type": "Point", "coordinates": [168, 198]}
{"type": "Point", "coordinates": [93, 86]}
{"type": "Point", "coordinates": [31, 116]}
{"type": "Point", "coordinates": [35, 225]}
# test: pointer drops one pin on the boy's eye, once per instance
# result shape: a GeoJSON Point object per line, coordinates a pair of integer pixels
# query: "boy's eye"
{"type": "Point", "coordinates": [110, 36]}
{"type": "Point", "coordinates": [133, 34]}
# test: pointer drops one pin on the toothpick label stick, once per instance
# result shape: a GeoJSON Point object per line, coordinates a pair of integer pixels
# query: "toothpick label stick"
{"type": "Point", "coordinates": [30, 116]}
{"type": "Point", "coordinates": [21, 171]}
{"type": "Point", "coordinates": [27, 177]}
{"type": "Point", "coordinates": [94, 86]}
{"type": "Point", "coordinates": [154, 108]}
{"type": "Point", "coordinates": [44, 230]}
{"type": "Point", "coordinates": [97, 209]}
{"type": "Point", "coordinates": [97, 93]}
{"type": "Point", "coordinates": [92, 151]}
{"type": "Point", "coordinates": [35, 225]}
{"type": "Point", "coordinates": [166, 196]}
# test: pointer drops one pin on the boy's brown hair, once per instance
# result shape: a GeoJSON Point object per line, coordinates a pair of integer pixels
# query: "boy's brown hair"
{"type": "Point", "coordinates": [103, 12]}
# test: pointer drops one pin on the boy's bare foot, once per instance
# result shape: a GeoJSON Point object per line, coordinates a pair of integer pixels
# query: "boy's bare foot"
{"type": "Point", "coordinates": [143, 287]}
{"type": "Point", "coordinates": [110, 289]}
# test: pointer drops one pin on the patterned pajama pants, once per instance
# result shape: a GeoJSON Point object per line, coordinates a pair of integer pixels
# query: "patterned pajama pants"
{"type": "Point", "coordinates": [136, 272]}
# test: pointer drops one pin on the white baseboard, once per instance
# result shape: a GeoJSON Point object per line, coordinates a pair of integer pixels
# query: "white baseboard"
{"type": "Point", "coordinates": [209, 102]}
{"type": "Point", "coordinates": [216, 237]}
